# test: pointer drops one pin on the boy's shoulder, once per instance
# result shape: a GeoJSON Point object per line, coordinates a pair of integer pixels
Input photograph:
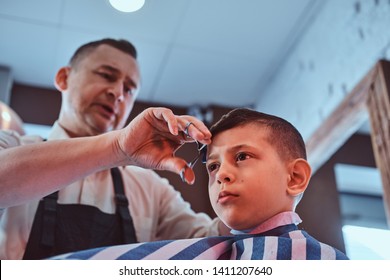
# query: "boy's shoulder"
{"type": "Point", "coordinates": [304, 243]}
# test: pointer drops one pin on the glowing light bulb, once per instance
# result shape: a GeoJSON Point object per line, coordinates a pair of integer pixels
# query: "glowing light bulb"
{"type": "Point", "coordinates": [6, 116]}
{"type": "Point", "coordinates": [127, 6]}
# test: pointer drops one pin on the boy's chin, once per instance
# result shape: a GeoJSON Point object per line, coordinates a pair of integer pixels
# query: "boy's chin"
{"type": "Point", "coordinates": [235, 226]}
{"type": "Point", "coordinates": [232, 220]}
{"type": "Point", "coordinates": [243, 227]}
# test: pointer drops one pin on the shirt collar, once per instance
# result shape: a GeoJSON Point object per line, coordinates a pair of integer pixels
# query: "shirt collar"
{"type": "Point", "coordinates": [281, 219]}
{"type": "Point", "coordinates": [57, 132]}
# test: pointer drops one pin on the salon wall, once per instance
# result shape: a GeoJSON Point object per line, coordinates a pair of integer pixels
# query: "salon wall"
{"type": "Point", "coordinates": [342, 43]}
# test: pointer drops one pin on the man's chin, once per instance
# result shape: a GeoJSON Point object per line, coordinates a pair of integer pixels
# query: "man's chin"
{"type": "Point", "coordinates": [102, 124]}
{"type": "Point", "coordinates": [98, 129]}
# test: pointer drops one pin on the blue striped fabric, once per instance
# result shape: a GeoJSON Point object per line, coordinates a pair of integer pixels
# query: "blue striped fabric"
{"type": "Point", "coordinates": [279, 244]}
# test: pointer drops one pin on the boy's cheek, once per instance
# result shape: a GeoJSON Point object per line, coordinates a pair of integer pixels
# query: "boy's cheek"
{"type": "Point", "coordinates": [213, 194]}
{"type": "Point", "coordinates": [211, 181]}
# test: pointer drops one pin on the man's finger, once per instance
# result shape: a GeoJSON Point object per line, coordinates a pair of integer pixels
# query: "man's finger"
{"type": "Point", "coordinates": [180, 167]}
{"type": "Point", "coordinates": [194, 129]}
{"type": "Point", "coordinates": [167, 116]}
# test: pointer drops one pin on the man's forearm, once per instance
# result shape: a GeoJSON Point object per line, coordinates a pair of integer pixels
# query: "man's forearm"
{"type": "Point", "coordinates": [35, 170]}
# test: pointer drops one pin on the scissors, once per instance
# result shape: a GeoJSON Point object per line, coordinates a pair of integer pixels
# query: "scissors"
{"type": "Point", "coordinates": [193, 162]}
{"type": "Point", "coordinates": [200, 148]}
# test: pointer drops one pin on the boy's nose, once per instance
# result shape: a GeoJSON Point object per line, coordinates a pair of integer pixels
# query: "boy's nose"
{"type": "Point", "coordinates": [224, 175]}
{"type": "Point", "coordinates": [224, 180]}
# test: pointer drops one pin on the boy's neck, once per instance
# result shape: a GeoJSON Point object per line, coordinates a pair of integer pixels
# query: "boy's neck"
{"type": "Point", "coordinates": [280, 219]}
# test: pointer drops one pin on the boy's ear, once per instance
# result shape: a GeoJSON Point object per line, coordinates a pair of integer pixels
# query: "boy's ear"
{"type": "Point", "coordinates": [61, 78]}
{"type": "Point", "coordinates": [300, 172]}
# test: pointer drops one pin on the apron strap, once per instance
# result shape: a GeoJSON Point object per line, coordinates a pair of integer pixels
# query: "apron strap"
{"type": "Point", "coordinates": [49, 219]}
{"type": "Point", "coordinates": [122, 207]}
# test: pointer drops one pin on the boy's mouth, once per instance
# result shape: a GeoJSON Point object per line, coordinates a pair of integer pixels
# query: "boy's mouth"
{"type": "Point", "coordinates": [225, 197]}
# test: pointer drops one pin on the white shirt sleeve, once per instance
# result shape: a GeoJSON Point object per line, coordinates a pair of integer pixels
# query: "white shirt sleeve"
{"type": "Point", "coordinates": [8, 139]}
{"type": "Point", "coordinates": [11, 138]}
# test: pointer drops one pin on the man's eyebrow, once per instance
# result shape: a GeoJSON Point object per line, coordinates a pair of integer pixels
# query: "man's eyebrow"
{"type": "Point", "coordinates": [117, 71]}
{"type": "Point", "coordinates": [109, 68]}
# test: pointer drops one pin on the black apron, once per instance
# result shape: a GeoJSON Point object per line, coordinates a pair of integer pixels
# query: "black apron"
{"type": "Point", "coordinates": [63, 228]}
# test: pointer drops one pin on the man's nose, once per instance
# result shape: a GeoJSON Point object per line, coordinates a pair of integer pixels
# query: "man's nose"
{"type": "Point", "coordinates": [117, 91]}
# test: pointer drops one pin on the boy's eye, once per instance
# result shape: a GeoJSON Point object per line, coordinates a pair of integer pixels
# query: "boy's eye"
{"type": "Point", "coordinates": [212, 167]}
{"type": "Point", "coordinates": [242, 156]}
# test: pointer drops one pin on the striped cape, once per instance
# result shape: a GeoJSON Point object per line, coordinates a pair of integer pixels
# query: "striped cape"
{"type": "Point", "coordinates": [282, 243]}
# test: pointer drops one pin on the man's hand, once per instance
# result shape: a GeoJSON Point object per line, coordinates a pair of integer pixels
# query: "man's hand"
{"type": "Point", "coordinates": [153, 137]}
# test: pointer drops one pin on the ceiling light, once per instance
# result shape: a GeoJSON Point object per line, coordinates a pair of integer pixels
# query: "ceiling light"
{"type": "Point", "coordinates": [6, 116]}
{"type": "Point", "coordinates": [127, 6]}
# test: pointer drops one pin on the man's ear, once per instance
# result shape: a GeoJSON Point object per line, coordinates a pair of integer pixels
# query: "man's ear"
{"type": "Point", "coordinates": [300, 172]}
{"type": "Point", "coordinates": [61, 78]}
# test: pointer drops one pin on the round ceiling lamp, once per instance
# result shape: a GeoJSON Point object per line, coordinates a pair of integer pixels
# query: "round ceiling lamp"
{"type": "Point", "coordinates": [127, 6]}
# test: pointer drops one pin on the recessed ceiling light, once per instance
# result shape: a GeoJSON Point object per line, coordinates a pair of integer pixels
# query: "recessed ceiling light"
{"type": "Point", "coordinates": [127, 6]}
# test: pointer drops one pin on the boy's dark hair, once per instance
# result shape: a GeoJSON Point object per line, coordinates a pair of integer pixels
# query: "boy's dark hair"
{"type": "Point", "coordinates": [282, 134]}
{"type": "Point", "coordinates": [122, 45]}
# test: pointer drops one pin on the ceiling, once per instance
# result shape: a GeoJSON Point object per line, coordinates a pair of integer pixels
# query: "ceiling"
{"type": "Point", "coordinates": [191, 52]}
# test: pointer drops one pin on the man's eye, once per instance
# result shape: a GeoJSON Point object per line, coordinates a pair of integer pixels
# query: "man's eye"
{"type": "Point", "coordinates": [106, 76]}
{"type": "Point", "coordinates": [242, 156]}
{"type": "Point", "coordinates": [129, 90]}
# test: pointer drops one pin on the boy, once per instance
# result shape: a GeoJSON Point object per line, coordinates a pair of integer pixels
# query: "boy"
{"type": "Point", "coordinates": [257, 174]}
